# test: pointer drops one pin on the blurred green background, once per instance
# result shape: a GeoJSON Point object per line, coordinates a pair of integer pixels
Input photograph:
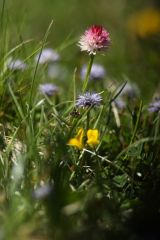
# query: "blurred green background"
{"type": "Point", "coordinates": [134, 27]}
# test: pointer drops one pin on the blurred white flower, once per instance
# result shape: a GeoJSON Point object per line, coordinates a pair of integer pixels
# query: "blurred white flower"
{"type": "Point", "coordinates": [43, 191]}
{"type": "Point", "coordinates": [130, 90]}
{"type": "Point", "coordinates": [55, 70]}
{"type": "Point", "coordinates": [154, 106]}
{"type": "Point", "coordinates": [97, 72]}
{"type": "Point", "coordinates": [120, 103]}
{"type": "Point", "coordinates": [48, 89]}
{"type": "Point", "coordinates": [16, 64]}
{"type": "Point", "coordinates": [46, 56]}
{"type": "Point", "coordinates": [18, 158]}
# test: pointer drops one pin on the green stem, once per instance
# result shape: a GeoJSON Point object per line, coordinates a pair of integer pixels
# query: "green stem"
{"type": "Point", "coordinates": [157, 126]}
{"type": "Point", "coordinates": [2, 15]}
{"type": "Point", "coordinates": [137, 122]}
{"type": "Point", "coordinates": [135, 128]}
{"type": "Point", "coordinates": [103, 159]}
{"type": "Point", "coordinates": [88, 118]}
{"type": "Point", "coordinates": [19, 109]}
{"type": "Point", "coordinates": [85, 84]}
{"type": "Point", "coordinates": [36, 68]}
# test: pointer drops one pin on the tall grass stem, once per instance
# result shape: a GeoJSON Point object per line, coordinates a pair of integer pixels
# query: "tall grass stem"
{"type": "Point", "coordinates": [85, 84]}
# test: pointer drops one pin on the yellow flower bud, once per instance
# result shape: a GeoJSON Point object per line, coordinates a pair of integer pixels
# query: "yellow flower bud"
{"type": "Point", "coordinates": [92, 137]}
{"type": "Point", "coordinates": [77, 141]}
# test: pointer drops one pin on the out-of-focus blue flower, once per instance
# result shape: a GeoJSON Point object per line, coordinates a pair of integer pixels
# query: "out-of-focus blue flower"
{"type": "Point", "coordinates": [55, 70]}
{"type": "Point", "coordinates": [48, 89]}
{"type": "Point", "coordinates": [154, 106]}
{"type": "Point", "coordinates": [97, 72]}
{"type": "Point", "coordinates": [42, 192]}
{"type": "Point", "coordinates": [16, 64]}
{"type": "Point", "coordinates": [46, 56]}
{"type": "Point", "coordinates": [88, 100]}
{"type": "Point", "coordinates": [130, 90]}
{"type": "Point", "coordinates": [120, 103]}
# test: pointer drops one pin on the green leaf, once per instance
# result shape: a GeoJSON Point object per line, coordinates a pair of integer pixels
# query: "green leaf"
{"type": "Point", "coordinates": [120, 180]}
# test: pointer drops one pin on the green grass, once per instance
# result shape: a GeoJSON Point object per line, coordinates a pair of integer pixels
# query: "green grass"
{"type": "Point", "coordinates": [49, 189]}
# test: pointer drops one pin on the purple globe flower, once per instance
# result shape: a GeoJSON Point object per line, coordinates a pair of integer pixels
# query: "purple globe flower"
{"type": "Point", "coordinates": [97, 72]}
{"type": "Point", "coordinates": [120, 103]}
{"type": "Point", "coordinates": [88, 100]}
{"type": "Point", "coordinates": [130, 90]}
{"type": "Point", "coordinates": [43, 191]}
{"type": "Point", "coordinates": [154, 106]}
{"type": "Point", "coordinates": [48, 89]}
{"type": "Point", "coordinates": [46, 56]}
{"type": "Point", "coordinates": [16, 64]}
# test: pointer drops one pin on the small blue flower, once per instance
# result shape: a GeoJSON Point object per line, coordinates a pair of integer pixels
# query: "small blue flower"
{"type": "Point", "coordinates": [120, 103]}
{"type": "Point", "coordinates": [130, 90]}
{"type": "Point", "coordinates": [97, 72]}
{"type": "Point", "coordinates": [16, 64]}
{"type": "Point", "coordinates": [46, 56]}
{"type": "Point", "coordinates": [88, 100]}
{"type": "Point", "coordinates": [154, 106]}
{"type": "Point", "coordinates": [55, 70]}
{"type": "Point", "coordinates": [43, 191]}
{"type": "Point", "coordinates": [48, 89]}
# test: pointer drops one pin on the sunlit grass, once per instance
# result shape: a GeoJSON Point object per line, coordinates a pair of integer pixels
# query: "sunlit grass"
{"type": "Point", "coordinates": [78, 158]}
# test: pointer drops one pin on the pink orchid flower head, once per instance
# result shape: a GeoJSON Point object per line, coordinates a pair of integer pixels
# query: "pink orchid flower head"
{"type": "Point", "coordinates": [95, 39]}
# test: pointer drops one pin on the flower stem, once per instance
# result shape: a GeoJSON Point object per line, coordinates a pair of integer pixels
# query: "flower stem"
{"type": "Point", "coordinates": [88, 73]}
{"type": "Point", "coordinates": [88, 118]}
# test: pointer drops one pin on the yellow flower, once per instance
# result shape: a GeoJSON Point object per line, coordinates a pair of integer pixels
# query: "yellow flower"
{"type": "Point", "coordinates": [145, 22]}
{"type": "Point", "coordinates": [77, 141]}
{"type": "Point", "coordinates": [92, 136]}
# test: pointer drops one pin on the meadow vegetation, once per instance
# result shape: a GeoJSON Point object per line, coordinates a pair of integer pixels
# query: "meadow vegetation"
{"type": "Point", "coordinates": [79, 121]}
